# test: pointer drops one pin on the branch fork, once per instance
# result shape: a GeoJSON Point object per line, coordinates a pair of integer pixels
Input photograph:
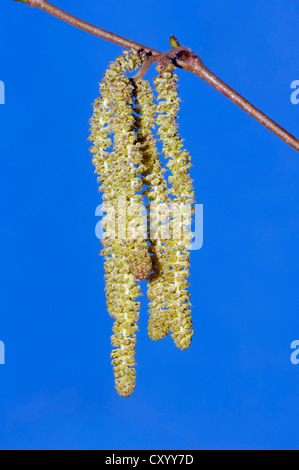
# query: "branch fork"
{"type": "Point", "coordinates": [178, 53]}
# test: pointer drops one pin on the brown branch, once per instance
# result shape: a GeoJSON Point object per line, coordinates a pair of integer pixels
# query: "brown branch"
{"type": "Point", "coordinates": [203, 72]}
{"type": "Point", "coordinates": [90, 28]}
{"type": "Point", "coordinates": [189, 62]}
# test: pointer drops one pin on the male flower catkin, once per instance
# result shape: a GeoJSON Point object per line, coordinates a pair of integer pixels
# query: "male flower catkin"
{"type": "Point", "coordinates": [157, 194]}
{"type": "Point", "coordinates": [125, 252]}
{"type": "Point", "coordinates": [176, 254]}
{"type": "Point", "coordinates": [127, 161]}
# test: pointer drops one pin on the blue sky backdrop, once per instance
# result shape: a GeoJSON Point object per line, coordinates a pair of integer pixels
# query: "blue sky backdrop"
{"type": "Point", "coordinates": [235, 388]}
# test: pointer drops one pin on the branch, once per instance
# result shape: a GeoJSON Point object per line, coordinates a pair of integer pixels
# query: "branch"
{"type": "Point", "coordinates": [190, 62]}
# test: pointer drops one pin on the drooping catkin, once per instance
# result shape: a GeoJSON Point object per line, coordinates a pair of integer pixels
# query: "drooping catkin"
{"type": "Point", "coordinates": [177, 245]}
{"type": "Point", "coordinates": [138, 245]}
{"type": "Point", "coordinates": [124, 221]}
{"type": "Point", "coordinates": [157, 194]}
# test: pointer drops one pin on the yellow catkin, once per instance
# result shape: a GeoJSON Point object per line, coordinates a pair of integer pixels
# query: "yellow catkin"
{"type": "Point", "coordinates": [176, 247]}
{"type": "Point", "coordinates": [137, 246]}
{"type": "Point", "coordinates": [119, 172]}
{"type": "Point", "coordinates": [157, 194]}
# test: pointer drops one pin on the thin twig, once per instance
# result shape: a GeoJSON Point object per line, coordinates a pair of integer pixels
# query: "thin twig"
{"type": "Point", "coordinates": [191, 63]}
{"type": "Point", "coordinates": [90, 28]}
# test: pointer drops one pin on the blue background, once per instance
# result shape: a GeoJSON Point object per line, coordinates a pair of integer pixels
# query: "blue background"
{"type": "Point", "coordinates": [235, 388]}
